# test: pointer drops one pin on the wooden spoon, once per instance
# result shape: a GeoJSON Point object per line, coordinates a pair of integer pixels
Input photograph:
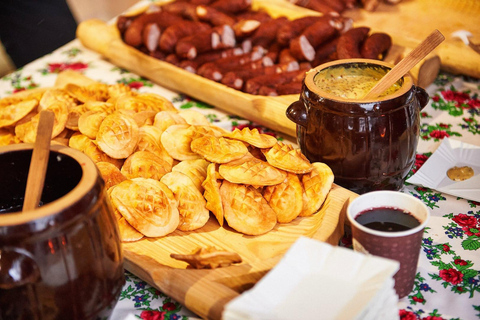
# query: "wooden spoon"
{"type": "Point", "coordinates": [38, 164]}
{"type": "Point", "coordinates": [406, 64]}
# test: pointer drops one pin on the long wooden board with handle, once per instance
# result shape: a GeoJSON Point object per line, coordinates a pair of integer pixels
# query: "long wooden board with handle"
{"type": "Point", "coordinates": [268, 111]}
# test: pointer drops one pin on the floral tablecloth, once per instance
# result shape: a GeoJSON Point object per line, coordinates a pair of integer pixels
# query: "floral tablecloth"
{"type": "Point", "coordinates": [448, 280]}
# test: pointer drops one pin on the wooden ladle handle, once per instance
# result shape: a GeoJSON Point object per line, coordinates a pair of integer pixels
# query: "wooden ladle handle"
{"type": "Point", "coordinates": [406, 64]}
{"type": "Point", "coordinates": [38, 164]}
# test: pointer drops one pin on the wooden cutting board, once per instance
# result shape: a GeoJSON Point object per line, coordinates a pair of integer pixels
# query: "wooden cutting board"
{"type": "Point", "coordinates": [267, 111]}
{"type": "Point", "coordinates": [206, 291]}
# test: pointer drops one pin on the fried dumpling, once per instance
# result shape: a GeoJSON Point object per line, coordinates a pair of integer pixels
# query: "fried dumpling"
{"type": "Point", "coordinates": [148, 205]}
{"type": "Point", "coordinates": [165, 119]}
{"type": "Point", "coordinates": [245, 209]}
{"type": "Point", "coordinates": [191, 203]}
{"type": "Point", "coordinates": [316, 185]}
{"type": "Point", "coordinates": [127, 232]}
{"type": "Point", "coordinates": [194, 117]}
{"type": "Point", "coordinates": [89, 123]}
{"type": "Point", "coordinates": [195, 169]}
{"type": "Point", "coordinates": [211, 185]}
{"type": "Point", "coordinates": [143, 102]}
{"type": "Point", "coordinates": [177, 139]}
{"type": "Point", "coordinates": [285, 157]}
{"type": "Point", "coordinates": [14, 112]}
{"type": "Point", "coordinates": [117, 135]}
{"type": "Point", "coordinates": [145, 164]}
{"type": "Point", "coordinates": [110, 174]}
{"type": "Point", "coordinates": [218, 149]}
{"type": "Point", "coordinates": [150, 140]}
{"type": "Point", "coordinates": [253, 137]}
{"type": "Point", "coordinates": [285, 198]}
{"type": "Point", "coordinates": [252, 172]}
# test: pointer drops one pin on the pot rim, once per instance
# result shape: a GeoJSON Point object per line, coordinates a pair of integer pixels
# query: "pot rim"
{"type": "Point", "coordinates": [310, 75]}
{"type": "Point", "coordinates": [86, 183]}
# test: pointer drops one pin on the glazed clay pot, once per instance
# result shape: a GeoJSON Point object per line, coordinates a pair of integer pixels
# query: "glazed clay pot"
{"type": "Point", "coordinates": [369, 145]}
{"type": "Point", "coordinates": [63, 260]}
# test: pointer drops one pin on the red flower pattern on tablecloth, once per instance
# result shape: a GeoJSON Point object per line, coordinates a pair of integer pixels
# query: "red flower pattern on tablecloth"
{"type": "Point", "coordinates": [62, 66]}
{"type": "Point", "coordinates": [465, 220]}
{"type": "Point", "coordinates": [152, 315]}
{"type": "Point", "coordinates": [407, 315]}
{"type": "Point", "coordinates": [451, 275]}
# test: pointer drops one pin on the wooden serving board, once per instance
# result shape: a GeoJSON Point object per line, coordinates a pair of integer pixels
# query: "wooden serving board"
{"type": "Point", "coordinates": [408, 22]}
{"type": "Point", "coordinates": [268, 111]}
{"type": "Point", "coordinates": [206, 291]}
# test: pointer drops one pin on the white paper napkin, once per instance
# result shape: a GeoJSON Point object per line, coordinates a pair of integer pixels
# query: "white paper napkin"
{"type": "Point", "coordinates": [315, 280]}
{"type": "Point", "coordinates": [433, 173]}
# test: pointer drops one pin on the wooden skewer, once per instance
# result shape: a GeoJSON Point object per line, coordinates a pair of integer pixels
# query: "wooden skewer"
{"type": "Point", "coordinates": [38, 164]}
{"type": "Point", "coordinates": [406, 64]}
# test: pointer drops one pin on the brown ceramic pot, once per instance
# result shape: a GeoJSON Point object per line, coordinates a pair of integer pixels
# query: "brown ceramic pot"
{"type": "Point", "coordinates": [370, 145]}
{"type": "Point", "coordinates": [63, 260]}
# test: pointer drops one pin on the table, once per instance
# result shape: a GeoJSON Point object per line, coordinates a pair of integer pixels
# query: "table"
{"type": "Point", "coordinates": [447, 284]}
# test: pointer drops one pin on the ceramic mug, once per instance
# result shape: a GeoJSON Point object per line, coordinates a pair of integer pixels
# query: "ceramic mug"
{"type": "Point", "coordinates": [63, 260]}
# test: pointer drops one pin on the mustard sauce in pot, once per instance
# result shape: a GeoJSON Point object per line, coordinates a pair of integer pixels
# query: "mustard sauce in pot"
{"type": "Point", "coordinates": [352, 83]}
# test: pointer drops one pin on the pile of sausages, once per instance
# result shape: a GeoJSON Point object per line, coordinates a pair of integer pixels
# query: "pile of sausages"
{"type": "Point", "coordinates": [251, 51]}
{"type": "Point", "coordinates": [327, 6]}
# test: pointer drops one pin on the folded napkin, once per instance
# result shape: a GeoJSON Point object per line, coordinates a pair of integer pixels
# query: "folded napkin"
{"type": "Point", "coordinates": [315, 280]}
{"type": "Point", "coordinates": [451, 153]}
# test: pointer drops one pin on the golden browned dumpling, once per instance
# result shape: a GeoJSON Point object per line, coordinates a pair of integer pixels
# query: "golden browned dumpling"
{"type": "Point", "coordinates": [92, 150]}
{"type": "Point", "coordinates": [90, 122]}
{"type": "Point", "coordinates": [118, 135]}
{"type": "Point", "coordinates": [194, 117]}
{"type": "Point", "coordinates": [285, 157]}
{"type": "Point", "coordinates": [165, 119]}
{"type": "Point", "coordinates": [147, 204]}
{"type": "Point", "coordinates": [92, 92]}
{"type": "Point", "coordinates": [218, 149]}
{"type": "Point", "coordinates": [191, 203]}
{"type": "Point", "coordinates": [127, 232]}
{"type": "Point", "coordinates": [285, 198]}
{"type": "Point", "coordinates": [177, 139]}
{"type": "Point", "coordinates": [252, 172]}
{"type": "Point", "coordinates": [143, 102]}
{"type": "Point", "coordinates": [14, 112]}
{"type": "Point", "coordinates": [150, 140]}
{"type": "Point", "coordinates": [110, 174]}
{"type": "Point", "coordinates": [195, 169]}
{"type": "Point", "coordinates": [316, 185]}
{"type": "Point", "coordinates": [245, 209]}
{"type": "Point", "coordinates": [78, 141]}
{"type": "Point", "coordinates": [145, 164]}
{"type": "Point", "coordinates": [211, 184]}
{"type": "Point", "coordinates": [7, 137]}
{"type": "Point", "coordinates": [253, 137]}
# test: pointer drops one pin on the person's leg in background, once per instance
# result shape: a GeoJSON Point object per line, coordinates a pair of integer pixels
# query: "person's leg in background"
{"type": "Point", "coordinates": [29, 29]}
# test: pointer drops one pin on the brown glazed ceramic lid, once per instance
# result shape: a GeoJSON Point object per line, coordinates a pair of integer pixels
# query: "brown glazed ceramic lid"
{"type": "Point", "coordinates": [310, 76]}
{"type": "Point", "coordinates": [86, 183]}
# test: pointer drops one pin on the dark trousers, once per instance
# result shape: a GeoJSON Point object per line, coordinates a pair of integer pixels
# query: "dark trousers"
{"type": "Point", "coordinates": [29, 29]}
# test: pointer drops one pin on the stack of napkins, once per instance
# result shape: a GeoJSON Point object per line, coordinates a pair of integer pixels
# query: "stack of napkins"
{"type": "Point", "coordinates": [315, 280]}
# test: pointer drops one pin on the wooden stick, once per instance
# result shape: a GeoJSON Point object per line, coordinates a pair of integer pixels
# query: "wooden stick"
{"type": "Point", "coordinates": [415, 56]}
{"type": "Point", "coordinates": [38, 164]}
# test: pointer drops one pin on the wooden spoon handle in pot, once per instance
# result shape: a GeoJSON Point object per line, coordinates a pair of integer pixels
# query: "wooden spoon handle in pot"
{"type": "Point", "coordinates": [39, 162]}
{"type": "Point", "coordinates": [406, 64]}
